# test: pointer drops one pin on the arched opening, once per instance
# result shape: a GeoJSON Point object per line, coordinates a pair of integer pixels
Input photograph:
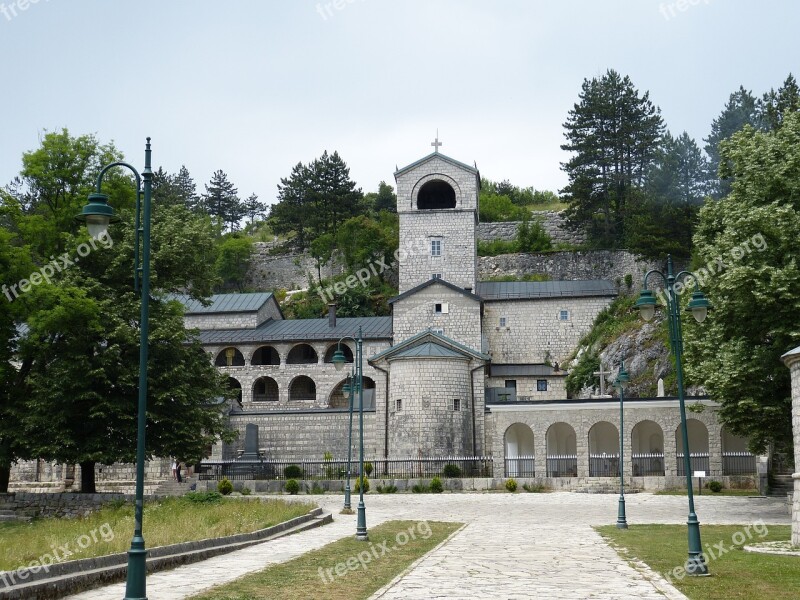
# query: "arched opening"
{"type": "Point", "coordinates": [519, 451]}
{"type": "Point", "coordinates": [302, 389]}
{"type": "Point", "coordinates": [603, 450]}
{"type": "Point", "coordinates": [235, 385]}
{"type": "Point", "coordinates": [562, 451]}
{"type": "Point", "coordinates": [338, 399]}
{"type": "Point", "coordinates": [348, 353]}
{"type": "Point", "coordinates": [698, 447]}
{"type": "Point", "coordinates": [229, 357]}
{"type": "Point", "coordinates": [436, 194]}
{"type": "Point", "coordinates": [302, 354]}
{"type": "Point", "coordinates": [266, 356]}
{"type": "Point", "coordinates": [265, 389]}
{"type": "Point", "coordinates": [647, 449]}
{"type": "Point", "coordinates": [736, 456]}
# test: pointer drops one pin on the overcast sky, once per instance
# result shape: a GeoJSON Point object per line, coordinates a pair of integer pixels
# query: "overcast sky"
{"type": "Point", "coordinates": [254, 86]}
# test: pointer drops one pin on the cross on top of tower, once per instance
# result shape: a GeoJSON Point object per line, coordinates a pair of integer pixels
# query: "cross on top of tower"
{"type": "Point", "coordinates": [436, 143]}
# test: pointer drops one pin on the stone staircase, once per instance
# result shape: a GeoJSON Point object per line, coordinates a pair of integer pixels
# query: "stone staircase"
{"type": "Point", "coordinates": [7, 515]}
{"type": "Point", "coordinates": [170, 487]}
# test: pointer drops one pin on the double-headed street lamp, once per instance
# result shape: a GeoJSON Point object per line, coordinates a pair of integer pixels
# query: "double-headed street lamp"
{"type": "Point", "coordinates": [338, 362]}
{"type": "Point", "coordinates": [97, 215]}
{"type": "Point", "coordinates": [699, 307]}
{"type": "Point", "coordinates": [621, 382]}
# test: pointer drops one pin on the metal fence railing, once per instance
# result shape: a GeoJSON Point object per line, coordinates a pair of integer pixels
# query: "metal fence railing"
{"type": "Point", "coordinates": [562, 465]}
{"type": "Point", "coordinates": [411, 468]}
{"type": "Point", "coordinates": [698, 461]}
{"type": "Point", "coordinates": [647, 464]}
{"type": "Point", "coordinates": [521, 466]}
{"type": "Point", "coordinates": [738, 463]}
{"type": "Point", "coordinates": [603, 465]}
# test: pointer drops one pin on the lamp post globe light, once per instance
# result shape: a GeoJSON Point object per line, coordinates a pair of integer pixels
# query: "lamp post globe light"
{"type": "Point", "coordinates": [338, 363]}
{"type": "Point", "coordinates": [621, 382]}
{"type": "Point", "coordinates": [699, 307]}
{"type": "Point", "coordinates": [97, 215]}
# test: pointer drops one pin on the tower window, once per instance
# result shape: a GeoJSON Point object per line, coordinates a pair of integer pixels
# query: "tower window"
{"type": "Point", "coordinates": [456, 404]}
{"type": "Point", "coordinates": [563, 315]}
{"type": "Point", "coordinates": [436, 276]}
{"type": "Point", "coordinates": [436, 247]}
{"type": "Point", "coordinates": [436, 194]}
{"type": "Point", "coordinates": [541, 385]}
{"type": "Point", "coordinates": [503, 321]}
{"type": "Point", "coordinates": [398, 404]}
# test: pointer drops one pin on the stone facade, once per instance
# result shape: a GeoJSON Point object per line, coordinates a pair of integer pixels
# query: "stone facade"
{"type": "Point", "coordinates": [792, 360]}
{"type": "Point", "coordinates": [458, 316]}
{"type": "Point", "coordinates": [454, 228]}
{"type": "Point", "coordinates": [553, 222]}
{"type": "Point", "coordinates": [527, 386]}
{"type": "Point", "coordinates": [611, 265]}
{"type": "Point", "coordinates": [533, 332]}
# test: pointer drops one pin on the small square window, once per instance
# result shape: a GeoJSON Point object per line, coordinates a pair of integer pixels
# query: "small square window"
{"type": "Point", "coordinates": [563, 315]}
{"type": "Point", "coordinates": [503, 321]}
{"type": "Point", "coordinates": [438, 330]}
{"type": "Point", "coordinates": [456, 404]}
{"type": "Point", "coordinates": [398, 404]}
{"type": "Point", "coordinates": [436, 276]}
{"type": "Point", "coordinates": [541, 385]}
{"type": "Point", "coordinates": [436, 247]}
{"type": "Point", "coordinates": [437, 308]}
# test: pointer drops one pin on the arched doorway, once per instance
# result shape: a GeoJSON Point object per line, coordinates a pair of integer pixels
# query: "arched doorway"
{"type": "Point", "coordinates": [519, 451]}
{"type": "Point", "coordinates": [603, 450]}
{"type": "Point", "coordinates": [698, 447]}
{"type": "Point", "coordinates": [647, 449]}
{"type": "Point", "coordinates": [562, 451]}
{"type": "Point", "coordinates": [266, 356]}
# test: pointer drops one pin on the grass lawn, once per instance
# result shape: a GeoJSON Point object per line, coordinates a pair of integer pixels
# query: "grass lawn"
{"type": "Point", "coordinates": [735, 574]}
{"type": "Point", "coordinates": [723, 492]}
{"type": "Point", "coordinates": [110, 529]}
{"type": "Point", "coordinates": [303, 576]}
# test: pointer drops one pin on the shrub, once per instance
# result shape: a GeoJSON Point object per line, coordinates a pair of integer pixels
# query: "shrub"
{"type": "Point", "coordinates": [225, 487]}
{"type": "Point", "coordinates": [511, 485]}
{"type": "Point", "coordinates": [451, 471]}
{"type": "Point", "coordinates": [533, 488]}
{"type": "Point", "coordinates": [293, 472]}
{"type": "Point", "coordinates": [715, 486]}
{"type": "Point", "coordinates": [357, 489]}
{"type": "Point", "coordinates": [204, 497]}
{"type": "Point", "coordinates": [436, 486]}
{"type": "Point", "coordinates": [292, 486]}
{"type": "Point", "coordinates": [419, 489]}
{"type": "Point", "coordinates": [316, 489]}
{"type": "Point", "coordinates": [389, 489]}
{"type": "Point", "coordinates": [246, 491]}
{"type": "Point", "coordinates": [368, 469]}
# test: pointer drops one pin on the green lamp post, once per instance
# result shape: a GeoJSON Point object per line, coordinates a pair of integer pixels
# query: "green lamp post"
{"type": "Point", "coordinates": [349, 389]}
{"type": "Point", "coordinates": [621, 382]}
{"type": "Point", "coordinates": [97, 215]}
{"type": "Point", "coordinates": [338, 362]}
{"type": "Point", "coordinates": [699, 307]}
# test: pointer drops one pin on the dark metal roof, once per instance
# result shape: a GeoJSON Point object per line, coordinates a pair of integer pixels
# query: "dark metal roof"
{"type": "Point", "coordinates": [516, 290]}
{"type": "Point", "coordinates": [434, 281]}
{"type": "Point", "coordinates": [440, 155]}
{"type": "Point", "coordinates": [436, 338]}
{"type": "Point", "coordinates": [524, 371]}
{"type": "Point", "coordinates": [225, 303]}
{"type": "Point", "coordinates": [302, 329]}
{"type": "Point", "coordinates": [430, 350]}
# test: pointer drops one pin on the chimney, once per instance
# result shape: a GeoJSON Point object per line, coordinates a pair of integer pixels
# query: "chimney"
{"type": "Point", "coordinates": [332, 315]}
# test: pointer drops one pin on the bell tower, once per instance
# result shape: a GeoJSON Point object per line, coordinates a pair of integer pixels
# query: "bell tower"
{"type": "Point", "coordinates": [437, 202]}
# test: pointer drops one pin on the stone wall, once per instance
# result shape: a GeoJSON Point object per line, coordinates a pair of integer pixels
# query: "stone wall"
{"type": "Point", "coordinates": [553, 223]}
{"type": "Point", "coordinates": [41, 476]}
{"type": "Point", "coordinates": [792, 360]}
{"type": "Point", "coordinates": [284, 271]}
{"type": "Point", "coordinates": [57, 505]}
{"type": "Point", "coordinates": [611, 265]}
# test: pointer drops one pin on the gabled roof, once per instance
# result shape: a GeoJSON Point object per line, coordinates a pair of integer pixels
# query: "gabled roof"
{"type": "Point", "coordinates": [225, 303]}
{"type": "Point", "coordinates": [431, 282]}
{"type": "Point", "coordinates": [407, 348]}
{"type": "Point", "coordinates": [519, 290]}
{"type": "Point", "coordinates": [429, 349]}
{"type": "Point", "coordinates": [302, 329]}
{"type": "Point", "coordinates": [444, 157]}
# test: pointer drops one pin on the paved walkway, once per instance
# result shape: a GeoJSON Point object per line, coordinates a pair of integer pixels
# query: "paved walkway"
{"type": "Point", "coordinates": [513, 546]}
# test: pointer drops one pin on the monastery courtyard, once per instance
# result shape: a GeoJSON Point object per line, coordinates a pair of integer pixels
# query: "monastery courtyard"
{"type": "Point", "coordinates": [512, 546]}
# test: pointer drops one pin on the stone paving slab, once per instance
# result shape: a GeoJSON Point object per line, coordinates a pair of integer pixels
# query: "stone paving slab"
{"type": "Point", "coordinates": [514, 546]}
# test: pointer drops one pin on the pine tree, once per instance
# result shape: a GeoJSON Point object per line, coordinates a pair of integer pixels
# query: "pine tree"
{"type": "Point", "coordinates": [615, 135]}
{"type": "Point", "coordinates": [222, 201]}
{"type": "Point", "coordinates": [253, 208]}
{"type": "Point", "coordinates": [187, 190]}
{"type": "Point", "coordinates": [776, 105]}
{"type": "Point", "coordinates": [741, 110]}
{"type": "Point", "coordinates": [289, 214]}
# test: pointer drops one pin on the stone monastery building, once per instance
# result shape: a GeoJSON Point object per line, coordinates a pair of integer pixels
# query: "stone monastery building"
{"type": "Point", "coordinates": [461, 368]}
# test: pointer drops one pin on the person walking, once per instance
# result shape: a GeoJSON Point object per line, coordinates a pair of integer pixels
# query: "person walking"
{"type": "Point", "coordinates": [178, 468]}
{"type": "Point", "coordinates": [174, 469]}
